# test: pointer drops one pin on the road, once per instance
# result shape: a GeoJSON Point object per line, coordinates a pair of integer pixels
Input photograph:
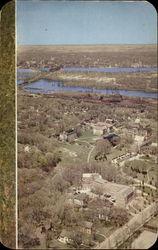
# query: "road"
{"type": "Point", "coordinates": [145, 184]}
{"type": "Point", "coordinates": [89, 154]}
{"type": "Point", "coordinates": [122, 233]}
{"type": "Point", "coordinates": [134, 179]}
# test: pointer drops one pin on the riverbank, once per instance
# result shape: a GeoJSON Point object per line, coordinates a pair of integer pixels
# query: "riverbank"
{"type": "Point", "coordinates": [143, 81]}
{"type": "Point", "coordinates": [140, 81]}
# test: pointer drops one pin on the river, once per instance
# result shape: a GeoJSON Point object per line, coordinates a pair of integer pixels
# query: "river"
{"type": "Point", "coordinates": [46, 86]}
{"type": "Point", "coordinates": [50, 86]}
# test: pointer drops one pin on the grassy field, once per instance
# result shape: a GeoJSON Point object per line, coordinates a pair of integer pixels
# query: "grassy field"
{"type": "Point", "coordinates": [78, 151]}
{"type": "Point", "coordinates": [105, 230]}
{"type": "Point", "coordinates": [74, 153]}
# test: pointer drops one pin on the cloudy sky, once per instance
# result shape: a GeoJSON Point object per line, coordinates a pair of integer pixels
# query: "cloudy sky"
{"type": "Point", "coordinates": [85, 22]}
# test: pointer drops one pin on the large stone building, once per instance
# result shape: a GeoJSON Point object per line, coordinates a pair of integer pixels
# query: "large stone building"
{"type": "Point", "coordinates": [119, 194]}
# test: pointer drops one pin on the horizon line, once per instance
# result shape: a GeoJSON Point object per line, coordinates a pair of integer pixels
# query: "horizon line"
{"type": "Point", "coordinates": [87, 44]}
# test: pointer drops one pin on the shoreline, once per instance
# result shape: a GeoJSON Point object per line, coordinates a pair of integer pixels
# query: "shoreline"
{"type": "Point", "coordinates": [85, 80]}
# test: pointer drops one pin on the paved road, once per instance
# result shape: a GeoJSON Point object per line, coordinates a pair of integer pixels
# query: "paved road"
{"type": "Point", "coordinates": [134, 179]}
{"type": "Point", "coordinates": [145, 184]}
{"type": "Point", "coordinates": [129, 228]}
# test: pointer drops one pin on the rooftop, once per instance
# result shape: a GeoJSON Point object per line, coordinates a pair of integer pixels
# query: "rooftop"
{"type": "Point", "coordinates": [107, 187]}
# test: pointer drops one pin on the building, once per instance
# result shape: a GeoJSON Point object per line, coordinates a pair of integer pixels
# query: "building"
{"type": "Point", "coordinates": [100, 128]}
{"type": "Point", "coordinates": [113, 139]}
{"type": "Point", "coordinates": [87, 227]}
{"type": "Point", "coordinates": [139, 140]}
{"type": "Point", "coordinates": [119, 194]}
{"type": "Point", "coordinates": [79, 199]}
{"type": "Point", "coordinates": [65, 237]}
{"type": "Point", "coordinates": [68, 136]}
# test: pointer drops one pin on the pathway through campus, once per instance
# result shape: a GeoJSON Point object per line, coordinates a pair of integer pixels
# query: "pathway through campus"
{"type": "Point", "coordinates": [89, 154]}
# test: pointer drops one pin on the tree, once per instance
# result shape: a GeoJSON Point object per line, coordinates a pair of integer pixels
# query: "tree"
{"type": "Point", "coordinates": [77, 239]}
{"type": "Point", "coordinates": [59, 183]}
{"type": "Point", "coordinates": [100, 156]}
{"type": "Point", "coordinates": [118, 216]}
{"type": "Point", "coordinates": [103, 146]}
{"type": "Point", "coordinates": [28, 242]}
{"type": "Point", "coordinates": [97, 189]}
{"type": "Point", "coordinates": [72, 174]}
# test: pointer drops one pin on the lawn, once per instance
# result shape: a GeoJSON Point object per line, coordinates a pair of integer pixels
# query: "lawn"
{"type": "Point", "coordinates": [142, 177]}
{"type": "Point", "coordinates": [74, 152]}
{"type": "Point", "coordinates": [115, 153]}
{"type": "Point", "coordinates": [88, 137]}
{"type": "Point", "coordinates": [99, 238]}
{"type": "Point", "coordinates": [79, 150]}
{"type": "Point", "coordinates": [105, 230]}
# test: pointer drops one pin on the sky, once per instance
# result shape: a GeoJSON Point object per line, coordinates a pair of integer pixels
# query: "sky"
{"type": "Point", "coordinates": [85, 22]}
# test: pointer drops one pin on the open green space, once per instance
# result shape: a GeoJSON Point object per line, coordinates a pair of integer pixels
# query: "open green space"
{"type": "Point", "coordinates": [115, 152]}
{"type": "Point", "coordinates": [105, 230]}
{"type": "Point", "coordinates": [87, 136]}
{"type": "Point", "coordinates": [74, 152]}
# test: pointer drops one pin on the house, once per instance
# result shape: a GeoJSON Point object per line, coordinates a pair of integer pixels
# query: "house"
{"type": "Point", "coordinates": [139, 140]}
{"type": "Point", "coordinates": [133, 127]}
{"type": "Point", "coordinates": [118, 194]}
{"type": "Point", "coordinates": [65, 237]}
{"type": "Point", "coordinates": [68, 136]}
{"type": "Point", "coordinates": [100, 128]}
{"type": "Point", "coordinates": [87, 227]}
{"type": "Point", "coordinates": [79, 199]}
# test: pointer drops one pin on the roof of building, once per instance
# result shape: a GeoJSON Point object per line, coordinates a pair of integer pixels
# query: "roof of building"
{"type": "Point", "coordinates": [89, 175]}
{"type": "Point", "coordinates": [70, 131]}
{"type": "Point", "coordinates": [81, 196]}
{"type": "Point", "coordinates": [111, 136]}
{"type": "Point", "coordinates": [109, 188]}
{"type": "Point", "coordinates": [126, 191]}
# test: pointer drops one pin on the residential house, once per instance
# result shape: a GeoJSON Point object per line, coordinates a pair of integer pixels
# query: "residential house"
{"type": "Point", "coordinates": [79, 199]}
{"type": "Point", "coordinates": [87, 227]}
